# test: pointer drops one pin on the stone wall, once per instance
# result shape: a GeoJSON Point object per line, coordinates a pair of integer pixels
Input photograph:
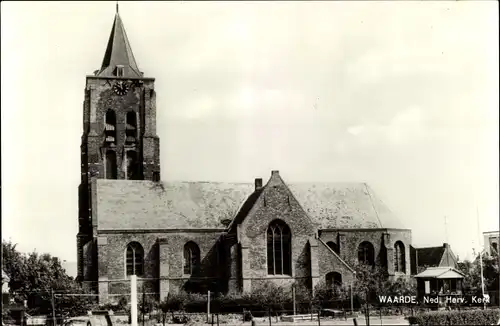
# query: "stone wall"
{"type": "Point", "coordinates": [383, 241]}
{"type": "Point", "coordinates": [163, 260]}
{"type": "Point", "coordinates": [276, 202]}
{"type": "Point", "coordinates": [329, 262]}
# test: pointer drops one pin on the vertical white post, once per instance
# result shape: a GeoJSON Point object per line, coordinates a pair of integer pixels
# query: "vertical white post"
{"type": "Point", "coordinates": [352, 300]}
{"type": "Point", "coordinates": [133, 299]}
{"type": "Point", "coordinates": [208, 307]}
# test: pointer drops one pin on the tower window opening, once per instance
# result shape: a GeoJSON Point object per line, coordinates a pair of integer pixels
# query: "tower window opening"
{"type": "Point", "coordinates": [119, 71]}
{"type": "Point", "coordinates": [111, 166]}
{"type": "Point", "coordinates": [131, 127]}
{"type": "Point", "coordinates": [110, 126]}
{"type": "Point", "coordinates": [132, 166]}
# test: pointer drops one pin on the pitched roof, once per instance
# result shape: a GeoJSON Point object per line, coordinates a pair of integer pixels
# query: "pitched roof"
{"type": "Point", "coordinates": [430, 256]}
{"type": "Point", "coordinates": [441, 273]}
{"type": "Point", "coordinates": [118, 52]}
{"type": "Point", "coordinates": [344, 206]}
{"type": "Point", "coordinates": [126, 204]}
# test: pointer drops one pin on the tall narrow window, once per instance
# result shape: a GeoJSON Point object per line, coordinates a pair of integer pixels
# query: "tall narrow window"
{"type": "Point", "coordinates": [131, 128]}
{"type": "Point", "coordinates": [366, 253]}
{"type": "Point", "coordinates": [111, 167]}
{"type": "Point", "coordinates": [333, 246]}
{"type": "Point", "coordinates": [399, 257]}
{"type": "Point", "coordinates": [191, 258]}
{"type": "Point", "coordinates": [132, 166]}
{"type": "Point", "coordinates": [110, 126]}
{"type": "Point", "coordinates": [279, 251]}
{"type": "Point", "coordinates": [135, 259]}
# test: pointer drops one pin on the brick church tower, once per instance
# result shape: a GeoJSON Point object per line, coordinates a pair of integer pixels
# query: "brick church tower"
{"type": "Point", "coordinates": [119, 138]}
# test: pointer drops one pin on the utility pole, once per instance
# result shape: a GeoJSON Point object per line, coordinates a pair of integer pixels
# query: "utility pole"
{"type": "Point", "coordinates": [446, 237]}
{"type": "Point", "coordinates": [53, 306]}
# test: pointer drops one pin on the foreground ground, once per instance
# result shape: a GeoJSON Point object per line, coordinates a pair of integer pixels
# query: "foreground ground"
{"type": "Point", "coordinates": [374, 321]}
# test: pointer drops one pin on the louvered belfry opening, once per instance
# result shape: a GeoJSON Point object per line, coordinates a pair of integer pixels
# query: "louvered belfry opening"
{"type": "Point", "coordinates": [110, 127]}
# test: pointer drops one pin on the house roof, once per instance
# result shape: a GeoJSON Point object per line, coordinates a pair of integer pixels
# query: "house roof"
{"type": "Point", "coordinates": [440, 273]}
{"type": "Point", "coordinates": [126, 204]}
{"type": "Point", "coordinates": [430, 256]}
{"type": "Point", "coordinates": [118, 52]}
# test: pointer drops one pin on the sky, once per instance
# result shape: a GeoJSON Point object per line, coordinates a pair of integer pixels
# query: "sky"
{"type": "Point", "coordinates": [401, 95]}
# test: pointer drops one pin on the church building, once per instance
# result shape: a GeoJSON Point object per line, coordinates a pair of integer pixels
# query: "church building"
{"type": "Point", "coordinates": [199, 236]}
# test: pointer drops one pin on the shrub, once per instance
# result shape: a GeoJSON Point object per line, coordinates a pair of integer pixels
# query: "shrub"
{"type": "Point", "coordinates": [455, 317]}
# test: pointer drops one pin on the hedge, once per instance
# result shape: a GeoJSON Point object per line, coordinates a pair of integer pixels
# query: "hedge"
{"type": "Point", "coordinates": [456, 317]}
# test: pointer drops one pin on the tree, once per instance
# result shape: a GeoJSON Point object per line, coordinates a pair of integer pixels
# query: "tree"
{"type": "Point", "coordinates": [370, 281]}
{"type": "Point", "coordinates": [34, 276]}
{"type": "Point", "coordinates": [472, 271]}
{"type": "Point", "coordinates": [271, 296]}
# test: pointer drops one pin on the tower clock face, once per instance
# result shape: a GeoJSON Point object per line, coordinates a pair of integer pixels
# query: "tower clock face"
{"type": "Point", "coordinates": [120, 88]}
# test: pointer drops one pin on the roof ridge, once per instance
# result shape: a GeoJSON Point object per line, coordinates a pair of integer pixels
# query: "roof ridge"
{"type": "Point", "coordinates": [373, 205]}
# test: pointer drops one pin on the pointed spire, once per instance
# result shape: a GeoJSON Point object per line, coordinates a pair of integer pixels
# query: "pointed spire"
{"type": "Point", "coordinates": [118, 53]}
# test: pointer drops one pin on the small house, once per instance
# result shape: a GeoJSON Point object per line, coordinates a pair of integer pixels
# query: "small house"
{"type": "Point", "coordinates": [439, 282]}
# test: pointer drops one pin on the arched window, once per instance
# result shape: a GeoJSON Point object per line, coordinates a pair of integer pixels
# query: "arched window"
{"type": "Point", "coordinates": [135, 259]}
{"type": "Point", "coordinates": [132, 166]}
{"type": "Point", "coordinates": [333, 279]}
{"type": "Point", "coordinates": [279, 249]}
{"type": "Point", "coordinates": [110, 126]}
{"type": "Point", "coordinates": [333, 246]}
{"type": "Point", "coordinates": [131, 127]}
{"type": "Point", "coordinates": [191, 258]}
{"type": "Point", "coordinates": [366, 253]}
{"type": "Point", "coordinates": [111, 167]}
{"type": "Point", "coordinates": [399, 257]}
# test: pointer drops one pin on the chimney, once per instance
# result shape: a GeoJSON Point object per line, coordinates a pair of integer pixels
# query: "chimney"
{"type": "Point", "coordinates": [275, 172]}
{"type": "Point", "coordinates": [258, 183]}
{"type": "Point", "coordinates": [446, 246]}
